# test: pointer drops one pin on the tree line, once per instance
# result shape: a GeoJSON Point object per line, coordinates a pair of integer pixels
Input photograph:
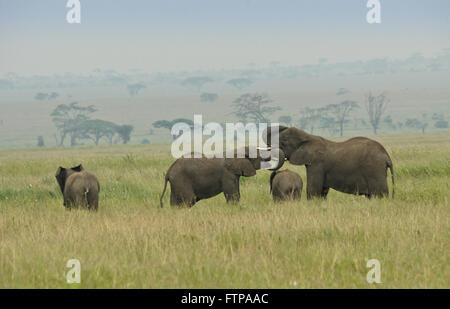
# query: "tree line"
{"type": "Point", "coordinates": [332, 118]}
{"type": "Point", "coordinates": [73, 122]}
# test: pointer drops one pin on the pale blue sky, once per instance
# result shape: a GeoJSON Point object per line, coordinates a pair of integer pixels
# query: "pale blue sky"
{"type": "Point", "coordinates": [190, 34]}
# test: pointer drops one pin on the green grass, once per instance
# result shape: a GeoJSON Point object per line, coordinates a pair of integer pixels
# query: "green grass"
{"type": "Point", "coordinates": [132, 243]}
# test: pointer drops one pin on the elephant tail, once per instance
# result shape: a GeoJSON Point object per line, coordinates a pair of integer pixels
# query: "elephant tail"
{"type": "Point", "coordinates": [164, 191]}
{"type": "Point", "coordinates": [86, 192]}
{"type": "Point", "coordinates": [391, 168]}
{"type": "Point", "coordinates": [272, 176]}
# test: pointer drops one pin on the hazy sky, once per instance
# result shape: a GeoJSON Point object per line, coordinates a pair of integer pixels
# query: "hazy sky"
{"type": "Point", "coordinates": [167, 35]}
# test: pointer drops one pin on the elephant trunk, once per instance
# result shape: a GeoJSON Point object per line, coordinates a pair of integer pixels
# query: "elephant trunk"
{"type": "Point", "coordinates": [281, 160]}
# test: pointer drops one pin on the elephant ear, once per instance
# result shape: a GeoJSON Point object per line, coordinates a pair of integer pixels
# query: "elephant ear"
{"type": "Point", "coordinates": [241, 167]}
{"type": "Point", "coordinates": [61, 174]}
{"type": "Point", "coordinates": [247, 168]}
{"type": "Point", "coordinates": [304, 155]}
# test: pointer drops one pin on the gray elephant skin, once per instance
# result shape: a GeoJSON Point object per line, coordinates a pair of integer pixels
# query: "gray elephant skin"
{"type": "Point", "coordinates": [356, 166]}
{"type": "Point", "coordinates": [285, 185]}
{"type": "Point", "coordinates": [194, 179]}
{"type": "Point", "coordinates": [79, 187]}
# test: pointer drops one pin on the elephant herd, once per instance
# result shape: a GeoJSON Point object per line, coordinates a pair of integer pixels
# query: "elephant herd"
{"type": "Point", "coordinates": [356, 166]}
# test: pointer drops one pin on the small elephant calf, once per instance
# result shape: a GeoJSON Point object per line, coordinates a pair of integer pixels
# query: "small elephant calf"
{"type": "Point", "coordinates": [79, 187]}
{"type": "Point", "coordinates": [195, 179]}
{"type": "Point", "coordinates": [285, 185]}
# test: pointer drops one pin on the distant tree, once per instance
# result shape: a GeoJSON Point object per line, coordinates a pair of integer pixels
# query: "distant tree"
{"type": "Point", "coordinates": [166, 124]}
{"type": "Point", "coordinates": [196, 82]}
{"type": "Point", "coordinates": [311, 118]}
{"type": "Point", "coordinates": [254, 108]}
{"type": "Point", "coordinates": [145, 141]}
{"type": "Point", "coordinates": [441, 124]}
{"type": "Point", "coordinates": [437, 117]}
{"type": "Point", "coordinates": [53, 95]}
{"type": "Point", "coordinates": [133, 89]}
{"type": "Point", "coordinates": [40, 96]}
{"type": "Point", "coordinates": [124, 132]}
{"type": "Point", "coordinates": [389, 122]}
{"type": "Point", "coordinates": [400, 125]}
{"type": "Point", "coordinates": [342, 91]}
{"type": "Point", "coordinates": [40, 142]}
{"type": "Point", "coordinates": [208, 97]}
{"type": "Point", "coordinates": [416, 124]}
{"type": "Point", "coordinates": [421, 124]}
{"type": "Point", "coordinates": [96, 130]}
{"type": "Point", "coordinates": [341, 111]}
{"type": "Point", "coordinates": [287, 120]}
{"type": "Point", "coordinates": [240, 83]}
{"type": "Point", "coordinates": [329, 124]}
{"type": "Point", "coordinates": [376, 107]}
{"type": "Point", "coordinates": [67, 118]}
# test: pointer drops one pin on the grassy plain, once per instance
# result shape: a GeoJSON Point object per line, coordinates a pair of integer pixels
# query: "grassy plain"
{"type": "Point", "coordinates": [132, 243]}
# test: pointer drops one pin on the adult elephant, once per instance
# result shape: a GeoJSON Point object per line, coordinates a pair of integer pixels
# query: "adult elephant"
{"type": "Point", "coordinates": [193, 179]}
{"type": "Point", "coordinates": [356, 166]}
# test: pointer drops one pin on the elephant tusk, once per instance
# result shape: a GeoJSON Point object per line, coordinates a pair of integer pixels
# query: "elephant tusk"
{"type": "Point", "coordinates": [262, 148]}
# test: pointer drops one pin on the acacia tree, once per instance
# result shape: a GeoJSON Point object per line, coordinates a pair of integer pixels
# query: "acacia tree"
{"type": "Point", "coordinates": [196, 82]}
{"type": "Point", "coordinates": [133, 89]}
{"type": "Point", "coordinates": [312, 118]}
{"type": "Point", "coordinates": [124, 132]}
{"type": "Point", "coordinates": [421, 124]}
{"type": "Point", "coordinates": [341, 111]}
{"type": "Point", "coordinates": [240, 83]}
{"type": "Point", "coordinates": [97, 129]}
{"type": "Point", "coordinates": [254, 107]}
{"type": "Point", "coordinates": [67, 118]}
{"type": "Point", "coordinates": [166, 124]}
{"type": "Point", "coordinates": [376, 105]}
{"type": "Point", "coordinates": [208, 97]}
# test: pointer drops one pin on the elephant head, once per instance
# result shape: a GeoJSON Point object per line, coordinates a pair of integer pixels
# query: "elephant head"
{"type": "Point", "coordinates": [299, 147]}
{"type": "Point", "coordinates": [247, 165]}
{"type": "Point", "coordinates": [63, 173]}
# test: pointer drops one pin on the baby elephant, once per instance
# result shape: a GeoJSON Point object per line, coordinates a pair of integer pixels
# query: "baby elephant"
{"type": "Point", "coordinates": [285, 185]}
{"type": "Point", "coordinates": [79, 187]}
{"type": "Point", "coordinates": [195, 179]}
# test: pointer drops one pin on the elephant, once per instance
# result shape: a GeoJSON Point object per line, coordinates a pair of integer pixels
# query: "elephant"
{"type": "Point", "coordinates": [285, 185]}
{"type": "Point", "coordinates": [193, 179]}
{"type": "Point", "coordinates": [356, 166]}
{"type": "Point", "coordinates": [79, 187]}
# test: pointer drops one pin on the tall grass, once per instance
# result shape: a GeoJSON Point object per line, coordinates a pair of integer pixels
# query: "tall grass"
{"type": "Point", "coordinates": [132, 243]}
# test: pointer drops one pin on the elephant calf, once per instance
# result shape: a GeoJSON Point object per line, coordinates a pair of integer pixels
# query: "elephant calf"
{"type": "Point", "coordinates": [194, 179]}
{"type": "Point", "coordinates": [79, 187]}
{"type": "Point", "coordinates": [285, 185]}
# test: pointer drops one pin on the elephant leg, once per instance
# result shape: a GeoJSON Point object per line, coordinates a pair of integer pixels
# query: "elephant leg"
{"type": "Point", "coordinates": [325, 192]}
{"type": "Point", "coordinates": [297, 194]}
{"type": "Point", "coordinates": [180, 200]}
{"type": "Point", "coordinates": [314, 179]}
{"type": "Point", "coordinates": [378, 187]}
{"type": "Point", "coordinates": [93, 204]}
{"type": "Point", "coordinates": [231, 190]}
{"type": "Point", "coordinates": [181, 193]}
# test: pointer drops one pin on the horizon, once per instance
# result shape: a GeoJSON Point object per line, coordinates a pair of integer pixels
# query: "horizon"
{"type": "Point", "coordinates": [155, 36]}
